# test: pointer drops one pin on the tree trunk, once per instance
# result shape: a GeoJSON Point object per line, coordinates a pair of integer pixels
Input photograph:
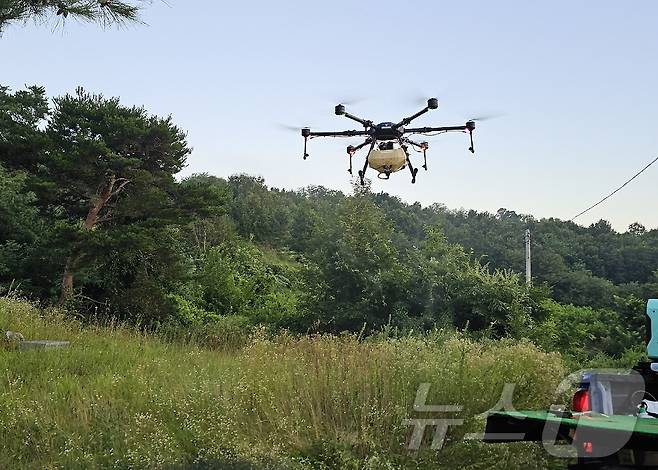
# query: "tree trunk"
{"type": "Point", "coordinates": [67, 282]}
{"type": "Point", "coordinates": [90, 222]}
{"type": "Point", "coordinates": [92, 219]}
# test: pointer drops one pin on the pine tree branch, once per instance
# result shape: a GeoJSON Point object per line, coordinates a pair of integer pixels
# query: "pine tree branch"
{"type": "Point", "coordinates": [104, 12]}
{"type": "Point", "coordinates": [122, 183]}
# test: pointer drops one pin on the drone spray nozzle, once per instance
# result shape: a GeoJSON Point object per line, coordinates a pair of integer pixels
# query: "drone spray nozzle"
{"type": "Point", "coordinates": [432, 103]}
{"type": "Point", "coordinates": [339, 110]}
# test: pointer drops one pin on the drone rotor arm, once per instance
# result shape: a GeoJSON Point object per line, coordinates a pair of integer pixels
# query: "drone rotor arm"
{"type": "Point", "coordinates": [360, 146]}
{"type": "Point", "coordinates": [432, 103]}
{"type": "Point", "coordinates": [351, 133]}
{"type": "Point", "coordinates": [415, 144]}
{"type": "Point", "coordinates": [425, 130]}
{"type": "Point", "coordinates": [340, 111]}
{"type": "Point", "coordinates": [407, 120]}
{"type": "Point", "coordinates": [363, 122]}
{"type": "Point", "coordinates": [468, 127]}
{"type": "Point", "coordinates": [308, 134]}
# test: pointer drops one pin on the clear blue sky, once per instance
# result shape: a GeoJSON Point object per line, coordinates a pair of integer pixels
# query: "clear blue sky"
{"type": "Point", "coordinates": [576, 82]}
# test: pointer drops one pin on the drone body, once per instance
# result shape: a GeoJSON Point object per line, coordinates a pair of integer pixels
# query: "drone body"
{"type": "Point", "coordinates": [388, 141]}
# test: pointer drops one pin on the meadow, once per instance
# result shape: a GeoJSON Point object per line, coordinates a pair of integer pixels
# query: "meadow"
{"type": "Point", "coordinates": [121, 398]}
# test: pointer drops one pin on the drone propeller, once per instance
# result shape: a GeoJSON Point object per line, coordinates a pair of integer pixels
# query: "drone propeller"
{"type": "Point", "coordinates": [287, 127]}
{"type": "Point", "coordinates": [350, 102]}
{"type": "Point", "coordinates": [419, 97]}
{"type": "Point", "coordinates": [485, 117]}
{"type": "Point", "coordinates": [347, 101]}
{"type": "Point", "coordinates": [305, 131]}
{"type": "Point", "coordinates": [421, 100]}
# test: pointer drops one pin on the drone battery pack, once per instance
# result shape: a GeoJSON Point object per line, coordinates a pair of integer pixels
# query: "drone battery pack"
{"type": "Point", "coordinates": [652, 328]}
{"type": "Point", "coordinates": [387, 160]}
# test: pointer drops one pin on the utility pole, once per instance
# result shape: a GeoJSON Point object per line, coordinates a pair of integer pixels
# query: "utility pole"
{"type": "Point", "coordinates": [528, 259]}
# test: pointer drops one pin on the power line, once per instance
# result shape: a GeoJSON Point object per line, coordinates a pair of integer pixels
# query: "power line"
{"type": "Point", "coordinates": [615, 191]}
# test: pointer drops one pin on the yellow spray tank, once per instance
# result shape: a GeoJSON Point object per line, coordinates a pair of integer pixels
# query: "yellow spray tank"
{"type": "Point", "coordinates": [387, 160]}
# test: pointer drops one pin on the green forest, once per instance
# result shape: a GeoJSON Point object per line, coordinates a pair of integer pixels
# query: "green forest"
{"type": "Point", "coordinates": [94, 218]}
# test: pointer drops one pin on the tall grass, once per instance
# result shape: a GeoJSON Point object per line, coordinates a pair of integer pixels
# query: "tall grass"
{"type": "Point", "coordinates": [123, 399]}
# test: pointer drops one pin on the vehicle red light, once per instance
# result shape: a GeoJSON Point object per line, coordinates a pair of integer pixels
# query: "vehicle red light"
{"type": "Point", "coordinates": [580, 401]}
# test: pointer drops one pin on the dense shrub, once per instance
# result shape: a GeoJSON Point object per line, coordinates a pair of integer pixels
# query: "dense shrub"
{"type": "Point", "coordinates": [583, 332]}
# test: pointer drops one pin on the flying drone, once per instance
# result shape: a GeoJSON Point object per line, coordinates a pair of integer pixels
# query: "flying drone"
{"type": "Point", "coordinates": [388, 141]}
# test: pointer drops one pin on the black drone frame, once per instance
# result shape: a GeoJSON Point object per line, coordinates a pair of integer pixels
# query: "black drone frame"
{"type": "Point", "coordinates": [389, 131]}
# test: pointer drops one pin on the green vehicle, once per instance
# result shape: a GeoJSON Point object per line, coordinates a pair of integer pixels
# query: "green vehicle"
{"type": "Point", "coordinates": [612, 423]}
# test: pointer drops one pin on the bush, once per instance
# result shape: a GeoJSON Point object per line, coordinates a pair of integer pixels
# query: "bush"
{"type": "Point", "coordinates": [583, 332]}
{"type": "Point", "coordinates": [239, 278]}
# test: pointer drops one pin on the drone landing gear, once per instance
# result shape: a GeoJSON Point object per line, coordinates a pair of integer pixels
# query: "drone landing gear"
{"type": "Point", "coordinates": [362, 173]}
{"type": "Point", "coordinates": [414, 171]}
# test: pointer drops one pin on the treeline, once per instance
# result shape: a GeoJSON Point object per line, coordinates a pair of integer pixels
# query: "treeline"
{"type": "Point", "coordinates": [588, 266]}
{"type": "Point", "coordinates": [92, 216]}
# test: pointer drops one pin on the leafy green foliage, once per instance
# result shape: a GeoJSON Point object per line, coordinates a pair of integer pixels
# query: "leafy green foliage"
{"type": "Point", "coordinates": [18, 223]}
{"type": "Point", "coordinates": [591, 330]}
{"type": "Point", "coordinates": [234, 278]}
{"type": "Point", "coordinates": [470, 295]}
{"type": "Point", "coordinates": [362, 272]}
{"type": "Point", "coordinates": [21, 140]}
{"type": "Point", "coordinates": [18, 214]}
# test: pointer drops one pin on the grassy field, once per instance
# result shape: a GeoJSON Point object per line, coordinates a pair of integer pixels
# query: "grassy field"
{"type": "Point", "coordinates": [121, 399]}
